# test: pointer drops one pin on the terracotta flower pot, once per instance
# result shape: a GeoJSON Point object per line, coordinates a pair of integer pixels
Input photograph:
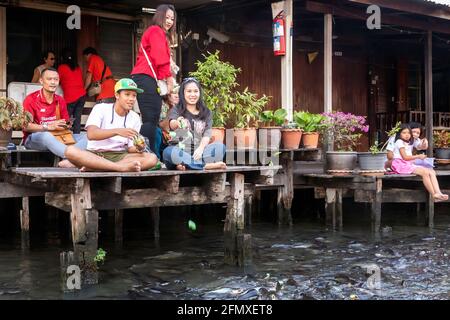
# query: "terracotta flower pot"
{"type": "Point", "coordinates": [269, 138]}
{"type": "Point", "coordinates": [245, 138]}
{"type": "Point", "coordinates": [290, 138]}
{"type": "Point", "coordinates": [310, 140]}
{"type": "Point", "coordinates": [217, 135]}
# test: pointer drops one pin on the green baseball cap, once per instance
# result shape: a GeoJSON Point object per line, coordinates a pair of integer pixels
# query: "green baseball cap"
{"type": "Point", "coordinates": [126, 84]}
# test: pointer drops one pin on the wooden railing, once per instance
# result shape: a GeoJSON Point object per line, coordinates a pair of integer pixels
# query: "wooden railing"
{"type": "Point", "coordinates": [387, 120]}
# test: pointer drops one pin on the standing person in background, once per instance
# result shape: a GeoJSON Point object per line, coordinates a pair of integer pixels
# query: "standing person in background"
{"type": "Point", "coordinates": [98, 71]}
{"type": "Point", "coordinates": [71, 81]}
{"type": "Point", "coordinates": [49, 61]}
{"type": "Point", "coordinates": [155, 42]}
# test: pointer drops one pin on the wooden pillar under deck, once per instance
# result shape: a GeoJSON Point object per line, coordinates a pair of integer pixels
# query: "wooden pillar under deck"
{"type": "Point", "coordinates": [237, 243]}
{"type": "Point", "coordinates": [376, 206]}
{"type": "Point", "coordinates": [84, 221]}
{"type": "Point", "coordinates": [25, 222]}
{"type": "Point", "coordinates": [118, 226]}
{"type": "Point", "coordinates": [430, 211]}
{"type": "Point", "coordinates": [155, 218]}
{"type": "Point", "coordinates": [333, 208]}
{"type": "Point", "coordinates": [286, 192]}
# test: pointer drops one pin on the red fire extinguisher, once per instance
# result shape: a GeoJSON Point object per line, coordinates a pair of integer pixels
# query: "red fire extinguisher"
{"type": "Point", "coordinates": [279, 35]}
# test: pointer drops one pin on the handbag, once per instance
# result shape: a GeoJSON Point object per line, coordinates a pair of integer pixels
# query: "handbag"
{"type": "Point", "coordinates": [63, 136]}
{"type": "Point", "coordinates": [162, 85]}
{"type": "Point", "coordinates": [96, 87]}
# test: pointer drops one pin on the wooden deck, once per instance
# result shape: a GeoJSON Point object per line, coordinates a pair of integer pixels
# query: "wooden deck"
{"type": "Point", "coordinates": [84, 193]}
{"type": "Point", "coordinates": [375, 190]}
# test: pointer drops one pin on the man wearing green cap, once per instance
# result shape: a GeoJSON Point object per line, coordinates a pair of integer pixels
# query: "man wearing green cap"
{"type": "Point", "coordinates": [113, 132]}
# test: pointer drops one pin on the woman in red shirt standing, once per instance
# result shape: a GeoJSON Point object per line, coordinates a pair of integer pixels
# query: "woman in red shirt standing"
{"type": "Point", "coordinates": [71, 81]}
{"type": "Point", "coordinates": [156, 45]}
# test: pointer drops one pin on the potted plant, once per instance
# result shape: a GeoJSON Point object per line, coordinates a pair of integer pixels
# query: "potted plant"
{"type": "Point", "coordinates": [290, 135]}
{"type": "Point", "coordinates": [246, 110]}
{"type": "Point", "coordinates": [344, 131]}
{"type": "Point", "coordinates": [218, 79]}
{"type": "Point", "coordinates": [441, 141]}
{"type": "Point", "coordinates": [269, 136]}
{"type": "Point", "coordinates": [12, 116]}
{"type": "Point", "coordinates": [375, 158]}
{"type": "Point", "coordinates": [311, 125]}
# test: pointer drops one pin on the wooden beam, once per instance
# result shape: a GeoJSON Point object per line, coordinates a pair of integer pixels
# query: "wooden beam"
{"type": "Point", "coordinates": [328, 72]}
{"type": "Point", "coordinates": [8, 190]}
{"type": "Point", "coordinates": [286, 191]}
{"type": "Point", "coordinates": [410, 6]}
{"type": "Point", "coordinates": [429, 91]}
{"type": "Point", "coordinates": [376, 206]}
{"type": "Point", "coordinates": [62, 8]}
{"type": "Point", "coordinates": [145, 198]}
{"type": "Point", "coordinates": [359, 14]}
{"type": "Point", "coordinates": [3, 58]}
{"type": "Point", "coordinates": [286, 60]}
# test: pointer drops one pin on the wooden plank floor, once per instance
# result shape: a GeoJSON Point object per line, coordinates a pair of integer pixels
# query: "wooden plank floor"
{"type": "Point", "coordinates": [50, 172]}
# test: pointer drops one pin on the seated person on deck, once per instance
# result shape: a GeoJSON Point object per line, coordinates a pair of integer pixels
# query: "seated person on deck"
{"type": "Point", "coordinates": [112, 129]}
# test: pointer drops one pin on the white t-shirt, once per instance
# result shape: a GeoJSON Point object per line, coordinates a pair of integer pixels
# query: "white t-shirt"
{"type": "Point", "coordinates": [402, 144]}
{"type": "Point", "coordinates": [101, 116]}
{"type": "Point", "coordinates": [391, 143]}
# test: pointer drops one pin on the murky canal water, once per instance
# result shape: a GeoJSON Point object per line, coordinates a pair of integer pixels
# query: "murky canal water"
{"type": "Point", "coordinates": [307, 261]}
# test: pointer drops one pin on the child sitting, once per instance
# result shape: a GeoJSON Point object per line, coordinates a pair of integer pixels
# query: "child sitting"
{"type": "Point", "coordinates": [403, 163]}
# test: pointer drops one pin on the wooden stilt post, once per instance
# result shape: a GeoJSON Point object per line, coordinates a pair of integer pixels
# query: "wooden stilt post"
{"type": "Point", "coordinates": [286, 192]}
{"type": "Point", "coordinates": [155, 218]}
{"type": "Point", "coordinates": [328, 72]}
{"type": "Point", "coordinates": [118, 226]}
{"type": "Point", "coordinates": [330, 207]}
{"type": "Point", "coordinates": [429, 91]}
{"type": "Point", "coordinates": [339, 212]}
{"type": "Point", "coordinates": [376, 206]}
{"type": "Point", "coordinates": [429, 112]}
{"type": "Point", "coordinates": [248, 210]}
{"type": "Point", "coordinates": [430, 211]}
{"type": "Point", "coordinates": [84, 220]}
{"type": "Point", "coordinates": [25, 222]}
{"type": "Point", "coordinates": [237, 244]}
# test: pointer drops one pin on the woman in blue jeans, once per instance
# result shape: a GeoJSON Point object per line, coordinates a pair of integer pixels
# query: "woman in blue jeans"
{"type": "Point", "coordinates": [190, 122]}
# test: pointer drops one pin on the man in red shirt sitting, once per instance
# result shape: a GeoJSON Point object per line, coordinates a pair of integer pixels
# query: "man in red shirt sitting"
{"type": "Point", "coordinates": [42, 105]}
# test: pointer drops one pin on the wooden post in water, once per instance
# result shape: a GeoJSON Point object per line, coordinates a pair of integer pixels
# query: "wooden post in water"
{"type": "Point", "coordinates": [376, 205]}
{"type": "Point", "coordinates": [286, 192]}
{"type": "Point", "coordinates": [70, 275]}
{"type": "Point", "coordinates": [25, 222]}
{"type": "Point", "coordinates": [333, 207]}
{"type": "Point", "coordinates": [237, 244]}
{"type": "Point", "coordinates": [118, 226]}
{"type": "Point", "coordinates": [430, 211]}
{"type": "Point", "coordinates": [84, 220]}
{"type": "Point", "coordinates": [155, 218]}
{"type": "Point", "coordinates": [248, 210]}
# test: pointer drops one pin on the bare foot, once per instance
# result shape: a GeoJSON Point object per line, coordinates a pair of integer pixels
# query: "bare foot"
{"type": "Point", "coordinates": [134, 166]}
{"type": "Point", "coordinates": [440, 197]}
{"type": "Point", "coordinates": [215, 166]}
{"type": "Point", "coordinates": [180, 167]}
{"type": "Point", "coordinates": [66, 164]}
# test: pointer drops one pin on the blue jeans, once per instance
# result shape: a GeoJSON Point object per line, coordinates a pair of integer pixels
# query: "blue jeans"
{"type": "Point", "coordinates": [173, 156]}
{"type": "Point", "coordinates": [46, 141]}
